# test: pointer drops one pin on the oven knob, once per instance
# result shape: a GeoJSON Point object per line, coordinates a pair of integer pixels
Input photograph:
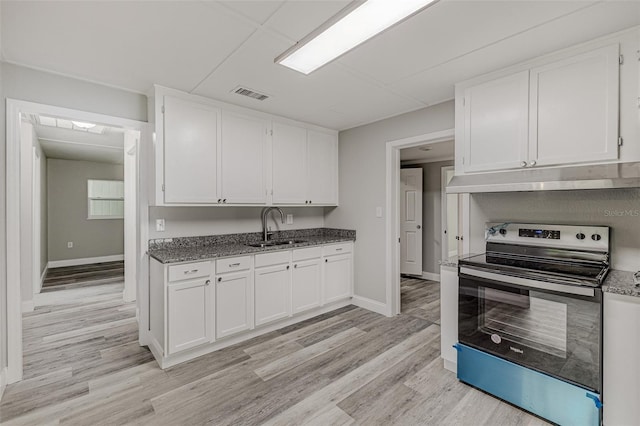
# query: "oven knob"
{"type": "Point", "coordinates": [580, 236]}
{"type": "Point", "coordinates": [503, 231]}
{"type": "Point", "coordinates": [596, 237]}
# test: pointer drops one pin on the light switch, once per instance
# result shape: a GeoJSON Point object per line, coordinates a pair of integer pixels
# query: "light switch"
{"type": "Point", "coordinates": [70, 244]}
{"type": "Point", "coordinates": [160, 225]}
{"type": "Point", "coordinates": [378, 211]}
{"type": "Point", "coordinates": [289, 219]}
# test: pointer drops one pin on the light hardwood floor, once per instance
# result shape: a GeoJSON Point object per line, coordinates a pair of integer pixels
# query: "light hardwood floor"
{"type": "Point", "coordinates": [83, 366]}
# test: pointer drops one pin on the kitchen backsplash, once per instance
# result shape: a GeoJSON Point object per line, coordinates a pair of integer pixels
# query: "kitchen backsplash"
{"type": "Point", "coordinates": [616, 208]}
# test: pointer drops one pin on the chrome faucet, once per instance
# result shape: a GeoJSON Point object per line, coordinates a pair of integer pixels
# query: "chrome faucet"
{"type": "Point", "coordinates": [265, 212]}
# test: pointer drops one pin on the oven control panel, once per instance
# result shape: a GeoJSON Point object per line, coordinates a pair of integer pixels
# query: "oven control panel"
{"type": "Point", "coordinates": [539, 233]}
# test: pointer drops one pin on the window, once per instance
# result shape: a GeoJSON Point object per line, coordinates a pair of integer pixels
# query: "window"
{"type": "Point", "coordinates": [105, 199]}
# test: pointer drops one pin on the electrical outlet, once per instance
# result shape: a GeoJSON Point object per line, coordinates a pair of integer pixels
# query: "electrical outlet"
{"type": "Point", "coordinates": [70, 244]}
{"type": "Point", "coordinates": [289, 219]}
{"type": "Point", "coordinates": [160, 225]}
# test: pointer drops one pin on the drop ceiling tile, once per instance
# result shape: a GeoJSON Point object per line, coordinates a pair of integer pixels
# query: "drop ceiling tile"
{"type": "Point", "coordinates": [258, 11]}
{"type": "Point", "coordinates": [296, 19]}
{"type": "Point", "coordinates": [447, 30]}
{"type": "Point", "coordinates": [126, 44]}
{"type": "Point", "coordinates": [437, 84]}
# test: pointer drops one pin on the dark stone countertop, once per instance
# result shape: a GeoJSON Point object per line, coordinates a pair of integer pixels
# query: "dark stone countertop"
{"type": "Point", "coordinates": [186, 249]}
{"type": "Point", "coordinates": [620, 282]}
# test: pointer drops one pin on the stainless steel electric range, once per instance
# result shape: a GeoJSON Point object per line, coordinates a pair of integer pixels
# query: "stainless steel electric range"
{"type": "Point", "coordinates": [530, 318]}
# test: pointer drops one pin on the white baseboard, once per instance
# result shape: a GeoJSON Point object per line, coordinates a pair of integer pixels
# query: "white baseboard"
{"type": "Point", "coordinates": [371, 305]}
{"type": "Point", "coordinates": [84, 261]}
{"type": "Point", "coordinates": [430, 276]}
{"type": "Point", "coordinates": [3, 381]}
{"type": "Point", "coordinates": [28, 306]}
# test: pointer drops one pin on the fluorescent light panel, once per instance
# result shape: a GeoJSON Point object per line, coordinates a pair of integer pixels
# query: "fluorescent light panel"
{"type": "Point", "coordinates": [364, 22]}
{"type": "Point", "coordinates": [83, 125]}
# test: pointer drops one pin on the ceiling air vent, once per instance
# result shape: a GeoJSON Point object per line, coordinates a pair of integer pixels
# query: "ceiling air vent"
{"type": "Point", "coordinates": [250, 93]}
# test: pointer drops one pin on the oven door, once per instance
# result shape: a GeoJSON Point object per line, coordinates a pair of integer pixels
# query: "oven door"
{"type": "Point", "coordinates": [552, 328]}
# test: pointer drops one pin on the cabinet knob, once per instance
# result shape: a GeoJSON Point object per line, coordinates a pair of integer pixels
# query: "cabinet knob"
{"type": "Point", "coordinates": [523, 164]}
{"type": "Point", "coordinates": [224, 201]}
{"type": "Point", "coordinates": [533, 163]}
{"type": "Point", "coordinates": [207, 282]}
{"type": "Point", "coordinates": [419, 227]}
{"type": "Point", "coordinates": [295, 266]}
{"type": "Point", "coordinates": [219, 200]}
{"type": "Point", "coordinates": [326, 260]}
{"type": "Point", "coordinates": [287, 266]}
{"type": "Point", "coordinates": [219, 279]}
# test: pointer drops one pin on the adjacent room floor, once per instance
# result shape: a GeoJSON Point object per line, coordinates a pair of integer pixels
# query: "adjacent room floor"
{"type": "Point", "coordinates": [83, 366]}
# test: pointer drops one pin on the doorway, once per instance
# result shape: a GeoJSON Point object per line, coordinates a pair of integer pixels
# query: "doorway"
{"type": "Point", "coordinates": [23, 212]}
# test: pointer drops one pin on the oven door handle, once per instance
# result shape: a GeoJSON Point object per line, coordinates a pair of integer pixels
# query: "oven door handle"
{"type": "Point", "coordinates": [542, 285]}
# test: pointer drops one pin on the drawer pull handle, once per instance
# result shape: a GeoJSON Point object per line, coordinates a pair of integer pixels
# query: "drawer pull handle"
{"type": "Point", "coordinates": [193, 271]}
{"type": "Point", "coordinates": [219, 279]}
{"type": "Point", "coordinates": [338, 249]}
{"type": "Point", "coordinates": [232, 265]}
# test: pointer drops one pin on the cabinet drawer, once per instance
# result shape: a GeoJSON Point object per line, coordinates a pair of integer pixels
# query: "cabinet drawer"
{"type": "Point", "coordinates": [274, 258]}
{"type": "Point", "coordinates": [233, 264]}
{"type": "Point", "coordinates": [307, 253]}
{"type": "Point", "coordinates": [189, 270]}
{"type": "Point", "coordinates": [336, 249]}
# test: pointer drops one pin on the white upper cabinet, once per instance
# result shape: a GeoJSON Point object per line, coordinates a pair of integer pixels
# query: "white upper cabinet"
{"type": "Point", "coordinates": [242, 151]}
{"type": "Point", "coordinates": [289, 164]}
{"type": "Point", "coordinates": [562, 112]}
{"type": "Point", "coordinates": [190, 152]}
{"type": "Point", "coordinates": [322, 161]}
{"type": "Point", "coordinates": [496, 123]}
{"type": "Point", "coordinates": [574, 109]}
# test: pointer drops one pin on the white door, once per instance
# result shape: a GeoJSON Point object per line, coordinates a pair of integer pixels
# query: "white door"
{"type": "Point", "coordinates": [337, 277]}
{"type": "Point", "coordinates": [322, 160]}
{"type": "Point", "coordinates": [305, 286]}
{"type": "Point", "coordinates": [130, 192]}
{"type": "Point", "coordinates": [37, 222]}
{"type": "Point", "coordinates": [233, 299]}
{"type": "Point", "coordinates": [242, 159]}
{"type": "Point", "coordinates": [289, 164]}
{"type": "Point", "coordinates": [451, 229]}
{"type": "Point", "coordinates": [411, 221]}
{"type": "Point", "coordinates": [190, 152]}
{"type": "Point", "coordinates": [496, 121]}
{"type": "Point", "coordinates": [190, 314]}
{"type": "Point", "coordinates": [272, 289]}
{"type": "Point", "coordinates": [574, 109]}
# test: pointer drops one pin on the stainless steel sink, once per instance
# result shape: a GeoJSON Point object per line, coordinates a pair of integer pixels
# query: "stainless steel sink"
{"type": "Point", "coordinates": [275, 243]}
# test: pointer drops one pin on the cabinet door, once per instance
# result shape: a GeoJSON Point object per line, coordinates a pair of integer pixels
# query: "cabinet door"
{"type": "Point", "coordinates": [289, 164]}
{"type": "Point", "coordinates": [574, 109]}
{"type": "Point", "coordinates": [322, 160]}
{"type": "Point", "coordinates": [305, 286]}
{"type": "Point", "coordinates": [496, 123]}
{"type": "Point", "coordinates": [233, 299]}
{"type": "Point", "coordinates": [242, 159]}
{"type": "Point", "coordinates": [337, 277]}
{"type": "Point", "coordinates": [190, 152]}
{"type": "Point", "coordinates": [190, 315]}
{"type": "Point", "coordinates": [272, 289]}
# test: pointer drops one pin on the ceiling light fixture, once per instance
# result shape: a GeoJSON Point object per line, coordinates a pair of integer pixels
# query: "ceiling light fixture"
{"type": "Point", "coordinates": [354, 25]}
{"type": "Point", "coordinates": [83, 125]}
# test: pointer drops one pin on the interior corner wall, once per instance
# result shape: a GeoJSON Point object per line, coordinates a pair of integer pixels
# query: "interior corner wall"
{"type": "Point", "coordinates": [431, 214]}
{"type": "Point", "coordinates": [68, 211]}
{"type": "Point", "coordinates": [362, 162]}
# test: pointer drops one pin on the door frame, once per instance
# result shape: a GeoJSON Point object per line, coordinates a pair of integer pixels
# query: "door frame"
{"type": "Point", "coordinates": [392, 226]}
{"type": "Point", "coordinates": [444, 210]}
{"type": "Point", "coordinates": [14, 221]}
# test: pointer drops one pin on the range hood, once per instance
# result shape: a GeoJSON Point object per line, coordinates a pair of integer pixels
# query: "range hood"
{"type": "Point", "coordinates": [602, 176]}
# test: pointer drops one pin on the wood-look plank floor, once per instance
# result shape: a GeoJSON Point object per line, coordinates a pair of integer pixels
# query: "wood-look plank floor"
{"type": "Point", "coordinates": [83, 275]}
{"type": "Point", "coordinates": [83, 366]}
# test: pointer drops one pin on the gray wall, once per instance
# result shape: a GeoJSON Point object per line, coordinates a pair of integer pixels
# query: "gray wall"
{"type": "Point", "coordinates": [592, 207]}
{"type": "Point", "coordinates": [67, 195]}
{"type": "Point", "coordinates": [363, 188]}
{"type": "Point", "coordinates": [431, 214]}
{"type": "Point", "coordinates": [191, 221]}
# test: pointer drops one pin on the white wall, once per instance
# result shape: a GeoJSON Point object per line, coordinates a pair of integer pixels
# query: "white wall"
{"type": "Point", "coordinates": [194, 221]}
{"type": "Point", "coordinates": [617, 208]}
{"type": "Point", "coordinates": [362, 188]}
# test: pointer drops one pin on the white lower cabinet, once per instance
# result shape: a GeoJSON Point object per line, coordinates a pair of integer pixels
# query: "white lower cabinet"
{"type": "Point", "coordinates": [337, 277]}
{"type": "Point", "coordinates": [190, 314]}
{"type": "Point", "coordinates": [233, 303]}
{"type": "Point", "coordinates": [621, 370]}
{"type": "Point", "coordinates": [306, 284]}
{"type": "Point", "coordinates": [449, 316]}
{"type": "Point", "coordinates": [272, 293]}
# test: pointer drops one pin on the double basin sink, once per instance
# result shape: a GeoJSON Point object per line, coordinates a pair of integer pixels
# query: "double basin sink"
{"type": "Point", "coordinates": [276, 243]}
